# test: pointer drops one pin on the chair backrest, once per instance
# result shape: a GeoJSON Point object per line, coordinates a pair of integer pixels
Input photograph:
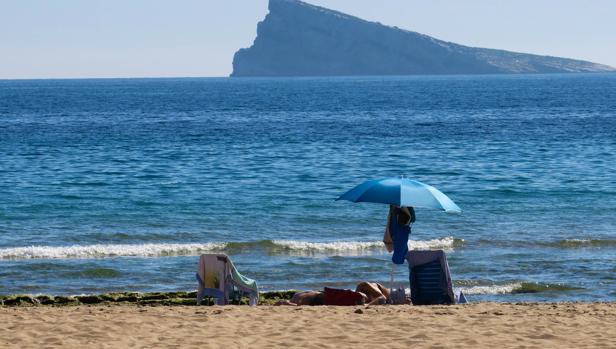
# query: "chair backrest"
{"type": "Point", "coordinates": [429, 277]}
{"type": "Point", "coordinates": [218, 278]}
{"type": "Point", "coordinates": [213, 276]}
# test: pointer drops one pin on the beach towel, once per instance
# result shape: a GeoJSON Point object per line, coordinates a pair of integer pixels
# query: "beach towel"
{"type": "Point", "coordinates": [334, 296]}
{"type": "Point", "coordinates": [399, 234]}
{"type": "Point", "coordinates": [218, 277]}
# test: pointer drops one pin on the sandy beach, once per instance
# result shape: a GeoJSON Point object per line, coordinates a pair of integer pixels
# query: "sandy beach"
{"type": "Point", "coordinates": [524, 325]}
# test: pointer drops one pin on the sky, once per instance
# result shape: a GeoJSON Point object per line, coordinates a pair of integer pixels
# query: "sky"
{"type": "Point", "coordinates": [197, 38]}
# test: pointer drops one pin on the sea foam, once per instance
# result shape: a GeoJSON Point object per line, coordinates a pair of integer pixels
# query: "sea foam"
{"type": "Point", "coordinates": [517, 287]}
{"type": "Point", "coordinates": [491, 289]}
{"type": "Point", "coordinates": [190, 249]}
{"type": "Point", "coordinates": [100, 251]}
{"type": "Point", "coordinates": [342, 246]}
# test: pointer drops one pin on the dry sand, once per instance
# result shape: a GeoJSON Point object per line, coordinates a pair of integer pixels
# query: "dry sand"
{"type": "Point", "coordinates": [482, 325]}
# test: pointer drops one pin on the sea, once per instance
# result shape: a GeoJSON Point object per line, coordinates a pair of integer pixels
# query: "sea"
{"type": "Point", "coordinates": [120, 184]}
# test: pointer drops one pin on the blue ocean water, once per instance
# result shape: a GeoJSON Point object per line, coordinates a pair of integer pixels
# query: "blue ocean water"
{"type": "Point", "coordinates": [118, 184]}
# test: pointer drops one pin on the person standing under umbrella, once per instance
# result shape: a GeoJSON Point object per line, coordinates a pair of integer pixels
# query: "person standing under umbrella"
{"type": "Point", "coordinates": [397, 231]}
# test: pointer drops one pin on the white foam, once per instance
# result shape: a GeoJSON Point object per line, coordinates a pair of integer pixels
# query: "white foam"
{"type": "Point", "coordinates": [444, 243]}
{"type": "Point", "coordinates": [98, 251]}
{"type": "Point", "coordinates": [348, 246]}
{"type": "Point", "coordinates": [492, 289]}
{"type": "Point", "coordinates": [582, 241]}
{"type": "Point", "coordinates": [192, 249]}
{"type": "Point", "coordinates": [328, 246]}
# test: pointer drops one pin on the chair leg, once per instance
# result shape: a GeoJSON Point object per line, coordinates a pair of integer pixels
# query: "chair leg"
{"type": "Point", "coordinates": [199, 297]}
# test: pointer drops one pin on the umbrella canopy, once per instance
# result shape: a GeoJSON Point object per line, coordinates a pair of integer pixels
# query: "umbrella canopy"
{"type": "Point", "coordinates": [401, 192]}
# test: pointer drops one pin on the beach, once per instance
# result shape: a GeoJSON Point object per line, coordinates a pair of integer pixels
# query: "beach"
{"type": "Point", "coordinates": [479, 325]}
{"type": "Point", "coordinates": [172, 178]}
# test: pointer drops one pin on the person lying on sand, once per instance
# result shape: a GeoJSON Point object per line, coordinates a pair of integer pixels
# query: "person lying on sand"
{"type": "Point", "coordinates": [308, 298]}
{"type": "Point", "coordinates": [372, 293]}
{"type": "Point", "coordinates": [375, 292]}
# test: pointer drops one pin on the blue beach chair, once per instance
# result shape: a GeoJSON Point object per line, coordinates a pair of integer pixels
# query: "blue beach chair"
{"type": "Point", "coordinates": [430, 279]}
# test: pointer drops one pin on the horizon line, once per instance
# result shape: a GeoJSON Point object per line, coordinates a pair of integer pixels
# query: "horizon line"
{"type": "Point", "coordinates": [295, 76]}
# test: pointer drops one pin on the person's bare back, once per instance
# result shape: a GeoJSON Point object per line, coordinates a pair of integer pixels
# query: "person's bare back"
{"type": "Point", "coordinates": [308, 298]}
{"type": "Point", "coordinates": [305, 298]}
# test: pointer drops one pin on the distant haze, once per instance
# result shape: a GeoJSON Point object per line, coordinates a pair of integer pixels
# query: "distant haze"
{"type": "Point", "coordinates": [71, 38]}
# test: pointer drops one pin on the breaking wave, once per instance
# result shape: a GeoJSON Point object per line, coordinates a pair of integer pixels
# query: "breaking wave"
{"type": "Point", "coordinates": [190, 249]}
{"type": "Point", "coordinates": [342, 246]}
{"type": "Point", "coordinates": [492, 289]}
{"type": "Point", "coordinates": [561, 244]}
{"type": "Point", "coordinates": [99, 251]}
{"type": "Point", "coordinates": [579, 243]}
{"type": "Point", "coordinates": [516, 288]}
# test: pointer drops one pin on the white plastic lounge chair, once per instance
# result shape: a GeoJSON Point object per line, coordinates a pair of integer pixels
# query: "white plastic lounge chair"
{"type": "Point", "coordinates": [217, 278]}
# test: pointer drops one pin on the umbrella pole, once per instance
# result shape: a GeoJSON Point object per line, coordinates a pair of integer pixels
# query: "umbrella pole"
{"type": "Point", "coordinates": [391, 280]}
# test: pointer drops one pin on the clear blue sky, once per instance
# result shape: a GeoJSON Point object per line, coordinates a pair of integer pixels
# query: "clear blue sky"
{"type": "Point", "coordinates": [151, 38]}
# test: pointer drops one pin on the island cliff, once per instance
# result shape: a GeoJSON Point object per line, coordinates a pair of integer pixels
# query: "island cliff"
{"type": "Point", "coordinates": [299, 39]}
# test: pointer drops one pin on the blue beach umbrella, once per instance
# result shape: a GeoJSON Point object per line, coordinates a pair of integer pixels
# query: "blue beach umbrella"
{"type": "Point", "coordinates": [401, 192]}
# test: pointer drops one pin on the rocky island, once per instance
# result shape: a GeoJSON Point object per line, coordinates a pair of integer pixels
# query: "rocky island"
{"type": "Point", "coordinates": [299, 39]}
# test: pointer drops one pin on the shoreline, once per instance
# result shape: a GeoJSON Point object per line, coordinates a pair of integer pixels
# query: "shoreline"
{"type": "Point", "coordinates": [184, 298]}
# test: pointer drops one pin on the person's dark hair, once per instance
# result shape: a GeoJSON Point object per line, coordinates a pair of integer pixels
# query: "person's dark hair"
{"type": "Point", "coordinates": [403, 217]}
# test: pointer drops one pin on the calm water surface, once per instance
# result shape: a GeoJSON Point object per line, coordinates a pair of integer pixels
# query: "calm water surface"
{"type": "Point", "coordinates": [119, 184]}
